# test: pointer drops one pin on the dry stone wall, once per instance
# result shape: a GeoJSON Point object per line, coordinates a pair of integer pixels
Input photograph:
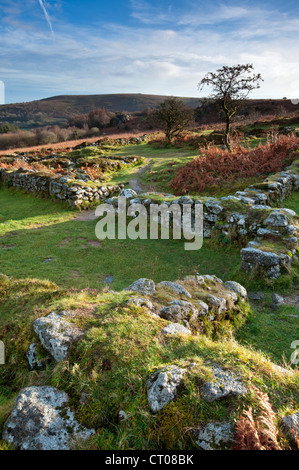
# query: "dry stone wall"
{"type": "Point", "coordinates": [248, 215]}
{"type": "Point", "coordinates": [76, 194]}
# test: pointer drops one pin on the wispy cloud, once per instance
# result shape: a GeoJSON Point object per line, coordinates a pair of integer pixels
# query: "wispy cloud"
{"type": "Point", "coordinates": [166, 57]}
{"type": "Point", "coordinates": [47, 16]}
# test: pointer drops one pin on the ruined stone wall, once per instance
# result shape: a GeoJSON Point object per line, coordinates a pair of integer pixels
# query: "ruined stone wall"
{"type": "Point", "coordinates": [76, 194]}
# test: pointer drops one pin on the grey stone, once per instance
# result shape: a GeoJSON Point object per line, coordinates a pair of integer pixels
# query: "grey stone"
{"type": "Point", "coordinates": [37, 421]}
{"type": "Point", "coordinates": [213, 207]}
{"type": "Point", "coordinates": [32, 357]}
{"type": "Point", "coordinates": [210, 217]}
{"type": "Point", "coordinates": [128, 193]}
{"type": "Point", "coordinates": [243, 232]}
{"type": "Point", "coordinates": [56, 334]}
{"type": "Point", "coordinates": [277, 219]}
{"type": "Point", "coordinates": [218, 304]}
{"type": "Point", "coordinates": [143, 286]}
{"type": "Point", "coordinates": [147, 202]}
{"type": "Point", "coordinates": [48, 260]}
{"type": "Point", "coordinates": [261, 207]}
{"type": "Point", "coordinates": [230, 294]}
{"type": "Point", "coordinates": [224, 384]}
{"type": "Point", "coordinates": [162, 386]}
{"type": "Point", "coordinates": [256, 296]}
{"type": "Point", "coordinates": [262, 232]}
{"type": "Point", "coordinates": [237, 288]}
{"type": "Point", "coordinates": [286, 211]}
{"type": "Point", "coordinates": [136, 200]}
{"type": "Point", "coordinates": [175, 287]}
{"type": "Point", "coordinates": [291, 229]}
{"type": "Point", "coordinates": [141, 302]}
{"type": "Point", "coordinates": [277, 299]}
{"type": "Point", "coordinates": [247, 200]}
{"type": "Point", "coordinates": [122, 415]}
{"type": "Point", "coordinates": [262, 258]}
{"type": "Point", "coordinates": [291, 424]}
{"type": "Point", "coordinates": [230, 198]}
{"type": "Point", "coordinates": [207, 277]}
{"type": "Point", "coordinates": [214, 435]}
{"type": "Point", "coordinates": [185, 200]}
{"type": "Point", "coordinates": [253, 244]}
{"type": "Point", "coordinates": [203, 307]}
{"type": "Point", "coordinates": [179, 310]}
{"type": "Point", "coordinates": [273, 272]}
{"type": "Point", "coordinates": [174, 329]}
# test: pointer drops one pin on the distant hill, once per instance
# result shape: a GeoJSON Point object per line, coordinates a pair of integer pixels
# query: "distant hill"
{"type": "Point", "coordinates": [57, 109]}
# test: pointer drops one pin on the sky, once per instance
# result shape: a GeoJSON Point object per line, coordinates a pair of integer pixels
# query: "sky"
{"type": "Point", "coordinates": [163, 47]}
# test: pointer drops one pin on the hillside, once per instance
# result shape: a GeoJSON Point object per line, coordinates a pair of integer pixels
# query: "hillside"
{"type": "Point", "coordinates": [57, 109]}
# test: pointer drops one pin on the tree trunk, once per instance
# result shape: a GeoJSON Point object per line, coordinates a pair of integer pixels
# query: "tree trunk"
{"type": "Point", "coordinates": [226, 135]}
{"type": "Point", "coordinates": [229, 113]}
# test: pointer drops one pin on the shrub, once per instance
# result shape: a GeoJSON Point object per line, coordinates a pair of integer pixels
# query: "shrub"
{"type": "Point", "coordinates": [7, 127]}
{"type": "Point", "coordinates": [217, 166]}
{"type": "Point", "coordinates": [18, 139]}
{"type": "Point", "coordinates": [45, 137]}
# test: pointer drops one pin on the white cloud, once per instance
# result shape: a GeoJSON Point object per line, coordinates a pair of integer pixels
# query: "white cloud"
{"type": "Point", "coordinates": [159, 59]}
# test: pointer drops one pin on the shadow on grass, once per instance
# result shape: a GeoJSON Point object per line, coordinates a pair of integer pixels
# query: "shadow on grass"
{"type": "Point", "coordinates": [18, 205]}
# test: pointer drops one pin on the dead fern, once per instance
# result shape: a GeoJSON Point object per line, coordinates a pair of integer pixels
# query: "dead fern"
{"type": "Point", "coordinates": [258, 433]}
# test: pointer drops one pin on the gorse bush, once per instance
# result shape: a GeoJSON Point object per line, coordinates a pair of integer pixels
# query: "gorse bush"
{"type": "Point", "coordinates": [217, 166]}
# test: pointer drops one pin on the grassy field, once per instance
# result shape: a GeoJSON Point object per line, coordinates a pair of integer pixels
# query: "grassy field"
{"type": "Point", "coordinates": [41, 239]}
{"type": "Point", "coordinates": [55, 262]}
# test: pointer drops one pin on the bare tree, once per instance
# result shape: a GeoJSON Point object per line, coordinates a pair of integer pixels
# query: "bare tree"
{"type": "Point", "coordinates": [172, 116]}
{"type": "Point", "coordinates": [231, 86]}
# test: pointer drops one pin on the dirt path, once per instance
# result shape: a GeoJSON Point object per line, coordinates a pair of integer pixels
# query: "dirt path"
{"type": "Point", "coordinates": [292, 299]}
{"type": "Point", "coordinates": [135, 182]}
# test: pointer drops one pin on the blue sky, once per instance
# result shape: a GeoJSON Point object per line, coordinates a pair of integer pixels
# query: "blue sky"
{"type": "Point", "coordinates": [137, 46]}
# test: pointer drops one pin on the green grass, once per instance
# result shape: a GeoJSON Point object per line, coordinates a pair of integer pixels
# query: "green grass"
{"type": "Point", "coordinates": [292, 202]}
{"type": "Point", "coordinates": [271, 331]}
{"type": "Point", "coordinates": [162, 164]}
{"type": "Point", "coordinates": [35, 230]}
